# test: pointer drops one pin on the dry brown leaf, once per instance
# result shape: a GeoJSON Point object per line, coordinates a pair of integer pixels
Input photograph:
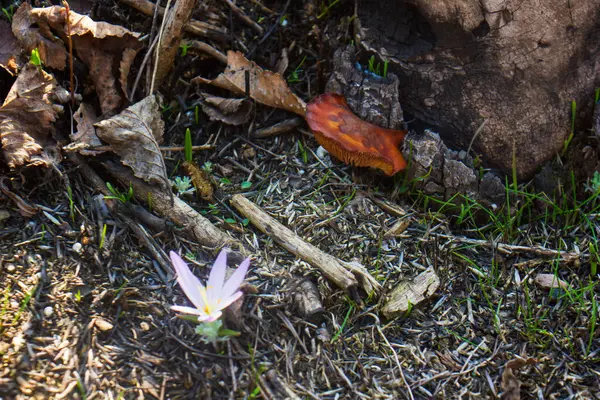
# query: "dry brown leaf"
{"type": "Point", "coordinates": [135, 134]}
{"type": "Point", "coordinates": [9, 49]}
{"type": "Point", "coordinates": [397, 229]}
{"type": "Point", "coordinates": [266, 87]}
{"type": "Point", "coordinates": [550, 281]}
{"type": "Point", "coordinates": [229, 111]}
{"type": "Point", "coordinates": [52, 50]}
{"type": "Point", "coordinates": [200, 179]}
{"type": "Point", "coordinates": [85, 137]}
{"type": "Point", "coordinates": [27, 117]}
{"type": "Point", "coordinates": [125, 67]}
{"type": "Point", "coordinates": [511, 386]}
{"type": "Point", "coordinates": [103, 47]}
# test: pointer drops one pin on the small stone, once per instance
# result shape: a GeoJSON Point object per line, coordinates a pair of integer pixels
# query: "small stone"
{"type": "Point", "coordinates": [48, 311]}
{"type": "Point", "coordinates": [10, 267]}
{"type": "Point", "coordinates": [4, 215]}
{"type": "Point", "coordinates": [77, 247]}
{"type": "Point", "coordinates": [145, 326]}
{"type": "Point", "coordinates": [103, 324]}
{"type": "Point", "coordinates": [550, 281]}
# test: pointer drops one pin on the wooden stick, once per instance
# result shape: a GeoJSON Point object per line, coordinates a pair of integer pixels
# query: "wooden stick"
{"type": "Point", "coordinates": [198, 28]}
{"type": "Point", "coordinates": [168, 44]}
{"type": "Point", "coordinates": [198, 228]}
{"type": "Point", "coordinates": [563, 255]}
{"type": "Point", "coordinates": [345, 275]}
{"type": "Point", "coordinates": [409, 293]}
{"type": "Point", "coordinates": [280, 127]}
{"type": "Point", "coordinates": [241, 15]}
{"type": "Point", "coordinates": [208, 49]}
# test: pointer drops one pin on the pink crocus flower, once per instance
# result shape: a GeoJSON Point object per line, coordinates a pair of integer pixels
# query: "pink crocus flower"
{"type": "Point", "coordinates": [217, 295]}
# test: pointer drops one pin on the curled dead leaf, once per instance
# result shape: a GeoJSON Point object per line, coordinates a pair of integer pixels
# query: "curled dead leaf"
{"type": "Point", "coordinates": [266, 87]}
{"type": "Point", "coordinates": [511, 386]}
{"type": "Point", "coordinates": [135, 134]}
{"type": "Point", "coordinates": [27, 117]}
{"type": "Point", "coordinates": [103, 47]}
{"type": "Point", "coordinates": [85, 139]}
{"type": "Point", "coordinates": [33, 34]}
{"type": "Point", "coordinates": [9, 49]}
{"type": "Point", "coordinates": [352, 140]}
{"type": "Point", "coordinates": [229, 111]}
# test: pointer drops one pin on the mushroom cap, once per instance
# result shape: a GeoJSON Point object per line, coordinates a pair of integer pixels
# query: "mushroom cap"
{"type": "Point", "coordinates": [352, 140]}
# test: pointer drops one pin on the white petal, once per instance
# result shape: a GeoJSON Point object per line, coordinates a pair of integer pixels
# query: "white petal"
{"type": "Point", "coordinates": [226, 302]}
{"type": "Point", "coordinates": [236, 279]}
{"type": "Point", "coordinates": [215, 315]}
{"type": "Point", "coordinates": [187, 280]}
{"type": "Point", "coordinates": [188, 310]}
{"type": "Point", "coordinates": [216, 277]}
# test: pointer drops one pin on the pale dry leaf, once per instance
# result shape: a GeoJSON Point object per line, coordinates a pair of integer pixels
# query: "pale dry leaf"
{"type": "Point", "coordinates": [550, 281]}
{"type": "Point", "coordinates": [397, 229]}
{"type": "Point", "coordinates": [108, 50]}
{"type": "Point", "coordinates": [37, 35]}
{"type": "Point", "coordinates": [27, 117]}
{"type": "Point", "coordinates": [9, 49]}
{"type": "Point", "coordinates": [85, 137]}
{"type": "Point", "coordinates": [125, 67]}
{"type": "Point", "coordinates": [411, 292]}
{"type": "Point", "coordinates": [135, 134]}
{"type": "Point", "coordinates": [229, 111]}
{"type": "Point", "coordinates": [25, 209]}
{"type": "Point", "coordinates": [511, 386]}
{"type": "Point", "coordinates": [265, 87]}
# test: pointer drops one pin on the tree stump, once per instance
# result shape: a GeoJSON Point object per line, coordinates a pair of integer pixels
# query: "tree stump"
{"type": "Point", "coordinates": [509, 68]}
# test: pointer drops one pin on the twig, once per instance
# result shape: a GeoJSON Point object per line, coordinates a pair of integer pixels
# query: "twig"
{"type": "Point", "coordinates": [410, 393]}
{"type": "Point", "coordinates": [208, 49]}
{"type": "Point", "coordinates": [160, 33]}
{"type": "Point", "coordinates": [70, 40]}
{"type": "Point", "coordinates": [271, 29]}
{"type": "Point", "coordinates": [262, 7]}
{"type": "Point", "coordinates": [143, 66]}
{"type": "Point", "coordinates": [241, 15]}
{"type": "Point", "coordinates": [505, 248]}
{"type": "Point", "coordinates": [280, 127]}
{"type": "Point", "coordinates": [162, 148]}
{"type": "Point", "coordinates": [171, 34]}
{"type": "Point", "coordinates": [195, 27]}
{"type": "Point", "coordinates": [176, 210]}
{"type": "Point", "coordinates": [333, 268]}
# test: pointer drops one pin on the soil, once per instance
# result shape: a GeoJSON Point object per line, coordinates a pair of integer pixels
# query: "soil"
{"type": "Point", "coordinates": [85, 304]}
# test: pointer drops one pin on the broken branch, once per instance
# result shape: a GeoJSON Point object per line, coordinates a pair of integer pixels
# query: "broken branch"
{"type": "Point", "coordinates": [346, 275]}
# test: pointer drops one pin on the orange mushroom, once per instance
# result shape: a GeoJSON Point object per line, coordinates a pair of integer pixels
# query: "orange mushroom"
{"type": "Point", "coordinates": [352, 140]}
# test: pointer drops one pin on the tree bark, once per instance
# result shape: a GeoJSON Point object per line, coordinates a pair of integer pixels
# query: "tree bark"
{"type": "Point", "coordinates": [512, 67]}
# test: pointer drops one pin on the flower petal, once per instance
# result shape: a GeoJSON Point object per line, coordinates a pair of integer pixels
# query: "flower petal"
{"type": "Point", "coordinates": [236, 279]}
{"type": "Point", "coordinates": [187, 280]}
{"type": "Point", "coordinates": [215, 315]}
{"type": "Point", "coordinates": [227, 301]}
{"type": "Point", "coordinates": [188, 310]}
{"type": "Point", "coordinates": [216, 277]}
